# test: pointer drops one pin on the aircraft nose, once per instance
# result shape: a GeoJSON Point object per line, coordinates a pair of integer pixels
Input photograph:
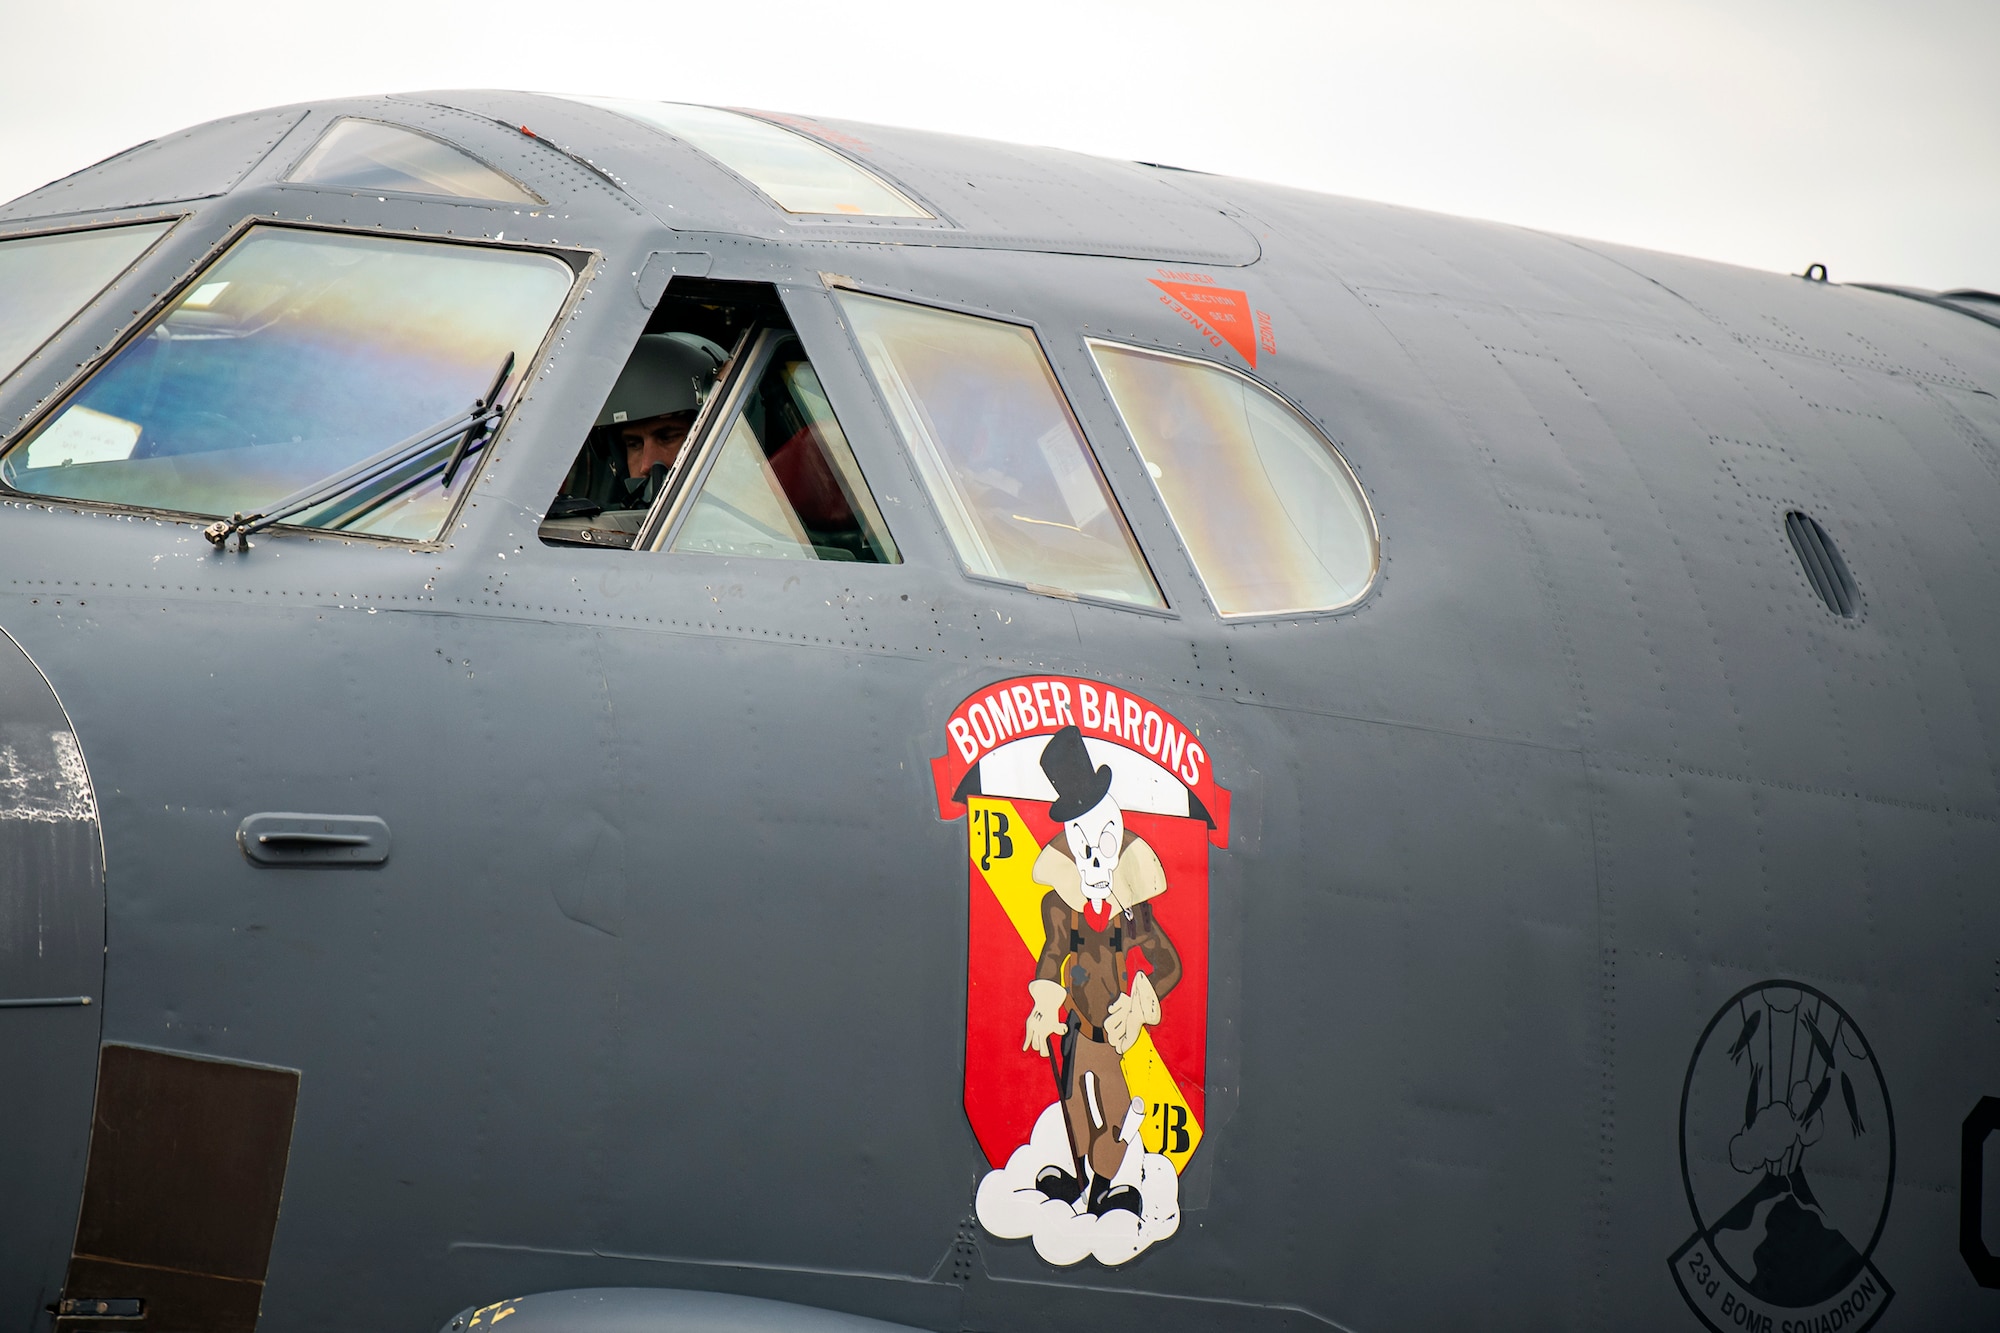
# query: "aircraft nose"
{"type": "Point", "coordinates": [42, 775]}
{"type": "Point", "coordinates": [51, 969]}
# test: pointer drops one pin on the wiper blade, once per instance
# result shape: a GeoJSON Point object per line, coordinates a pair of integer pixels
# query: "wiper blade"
{"type": "Point", "coordinates": [472, 428]}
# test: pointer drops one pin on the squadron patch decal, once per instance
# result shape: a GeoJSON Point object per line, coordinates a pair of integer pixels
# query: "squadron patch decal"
{"type": "Point", "coordinates": [1783, 1076]}
{"type": "Point", "coordinates": [1089, 817]}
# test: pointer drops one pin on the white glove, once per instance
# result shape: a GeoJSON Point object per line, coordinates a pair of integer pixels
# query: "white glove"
{"type": "Point", "coordinates": [1129, 1014]}
{"type": "Point", "coordinates": [1049, 997]}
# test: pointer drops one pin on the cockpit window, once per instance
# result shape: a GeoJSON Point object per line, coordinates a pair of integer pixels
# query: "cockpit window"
{"type": "Point", "coordinates": [734, 453]}
{"type": "Point", "coordinates": [998, 449]}
{"type": "Point", "coordinates": [369, 155]}
{"type": "Point", "coordinates": [45, 280]}
{"type": "Point", "coordinates": [635, 446]}
{"type": "Point", "coordinates": [1268, 509]}
{"type": "Point", "coordinates": [783, 483]}
{"type": "Point", "coordinates": [296, 357]}
{"type": "Point", "coordinates": [799, 175]}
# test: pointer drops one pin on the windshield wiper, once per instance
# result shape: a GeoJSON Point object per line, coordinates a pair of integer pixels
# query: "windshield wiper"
{"type": "Point", "coordinates": [472, 428]}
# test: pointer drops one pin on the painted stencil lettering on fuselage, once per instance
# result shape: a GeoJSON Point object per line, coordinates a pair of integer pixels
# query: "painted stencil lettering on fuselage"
{"type": "Point", "coordinates": [1089, 818]}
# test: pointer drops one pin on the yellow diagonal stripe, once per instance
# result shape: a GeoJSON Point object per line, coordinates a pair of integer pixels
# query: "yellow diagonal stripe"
{"type": "Point", "coordinates": [1003, 852]}
{"type": "Point", "coordinates": [1170, 1124]}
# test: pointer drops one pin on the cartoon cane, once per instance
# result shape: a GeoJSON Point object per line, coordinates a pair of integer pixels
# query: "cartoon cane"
{"type": "Point", "coordinates": [1063, 1067]}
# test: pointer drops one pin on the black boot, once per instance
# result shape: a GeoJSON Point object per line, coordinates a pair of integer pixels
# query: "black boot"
{"type": "Point", "coordinates": [1059, 1184]}
{"type": "Point", "coordinates": [1104, 1198]}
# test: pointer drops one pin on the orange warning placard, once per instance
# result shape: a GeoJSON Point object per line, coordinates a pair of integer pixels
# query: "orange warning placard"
{"type": "Point", "coordinates": [1223, 309]}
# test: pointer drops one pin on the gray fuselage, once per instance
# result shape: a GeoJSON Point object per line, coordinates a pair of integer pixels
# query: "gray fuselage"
{"type": "Point", "coordinates": [663, 982]}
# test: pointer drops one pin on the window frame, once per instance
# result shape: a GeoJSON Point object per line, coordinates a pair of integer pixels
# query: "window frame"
{"type": "Point", "coordinates": [705, 437]}
{"type": "Point", "coordinates": [172, 222]}
{"type": "Point", "coordinates": [584, 265]}
{"type": "Point", "coordinates": [837, 283]}
{"type": "Point", "coordinates": [1367, 593]}
{"type": "Point", "coordinates": [285, 181]}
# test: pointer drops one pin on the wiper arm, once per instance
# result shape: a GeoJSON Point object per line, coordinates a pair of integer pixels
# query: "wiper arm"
{"type": "Point", "coordinates": [472, 428]}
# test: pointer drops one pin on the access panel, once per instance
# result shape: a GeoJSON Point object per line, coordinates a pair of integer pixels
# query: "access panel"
{"type": "Point", "coordinates": [51, 980]}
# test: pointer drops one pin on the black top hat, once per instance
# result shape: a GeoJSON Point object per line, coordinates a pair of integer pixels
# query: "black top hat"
{"type": "Point", "coordinates": [1067, 764]}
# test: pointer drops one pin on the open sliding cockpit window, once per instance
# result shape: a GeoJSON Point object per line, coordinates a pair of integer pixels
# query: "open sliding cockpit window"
{"type": "Point", "coordinates": [718, 438]}
{"type": "Point", "coordinates": [323, 379]}
{"type": "Point", "coordinates": [1000, 451]}
{"type": "Point", "coordinates": [1267, 507]}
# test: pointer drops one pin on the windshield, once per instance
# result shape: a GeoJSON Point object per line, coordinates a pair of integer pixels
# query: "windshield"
{"type": "Point", "coordinates": [296, 355]}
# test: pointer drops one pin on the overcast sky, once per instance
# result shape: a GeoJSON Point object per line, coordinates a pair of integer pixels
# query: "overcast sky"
{"type": "Point", "coordinates": [1772, 133]}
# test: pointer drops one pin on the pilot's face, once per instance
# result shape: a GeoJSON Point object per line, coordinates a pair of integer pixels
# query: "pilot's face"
{"type": "Point", "coordinates": [654, 440]}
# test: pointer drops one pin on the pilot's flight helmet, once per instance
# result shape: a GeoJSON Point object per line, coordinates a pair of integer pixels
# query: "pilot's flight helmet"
{"type": "Point", "coordinates": [667, 372]}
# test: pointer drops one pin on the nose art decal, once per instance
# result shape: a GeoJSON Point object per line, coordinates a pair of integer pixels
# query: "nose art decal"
{"type": "Point", "coordinates": [1089, 818]}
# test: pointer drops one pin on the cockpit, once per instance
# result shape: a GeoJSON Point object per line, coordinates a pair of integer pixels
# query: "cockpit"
{"type": "Point", "coordinates": [778, 481]}
{"type": "Point", "coordinates": [348, 376]}
{"type": "Point", "coordinates": [640, 433]}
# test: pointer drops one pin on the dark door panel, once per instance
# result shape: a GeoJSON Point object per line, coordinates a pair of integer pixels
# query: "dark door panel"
{"type": "Point", "coordinates": [51, 981]}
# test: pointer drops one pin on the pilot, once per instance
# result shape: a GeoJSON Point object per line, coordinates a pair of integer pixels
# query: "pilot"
{"type": "Point", "coordinates": [1101, 878]}
{"type": "Point", "coordinates": [651, 409]}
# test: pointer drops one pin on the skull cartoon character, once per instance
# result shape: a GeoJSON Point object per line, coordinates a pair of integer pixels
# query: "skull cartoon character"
{"type": "Point", "coordinates": [1096, 837]}
{"type": "Point", "coordinates": [1100, 879]}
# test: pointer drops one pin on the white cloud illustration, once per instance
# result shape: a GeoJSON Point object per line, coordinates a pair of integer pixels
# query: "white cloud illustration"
{"type": "Point", "coordinates": [1779, 1135]}
{"type": "Point", "coordinates": [1010, 1206]}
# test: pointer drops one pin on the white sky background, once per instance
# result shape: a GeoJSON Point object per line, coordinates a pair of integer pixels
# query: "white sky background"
{"type": "Point", "coordinates": [1772, 133]}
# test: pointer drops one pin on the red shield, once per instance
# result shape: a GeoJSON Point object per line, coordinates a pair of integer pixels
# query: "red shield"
{"type": "Point", "coordinates": [990, 775]}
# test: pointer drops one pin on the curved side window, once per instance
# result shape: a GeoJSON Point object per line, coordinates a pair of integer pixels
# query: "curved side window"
{"type": "Point", "coordinates": [999, 451]}
{"type": "Point", "coordinates": [1270, 512]}
{"type": "Point", "coordinates": [300, 362]}
{"type": "Point", "coordinates": [45, 280]}
{"type": "Point", "coordinates": [368, 155]}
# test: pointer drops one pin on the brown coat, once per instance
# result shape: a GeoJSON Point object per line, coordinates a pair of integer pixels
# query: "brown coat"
{"type": "Point", "coordinates": [1094, 976]}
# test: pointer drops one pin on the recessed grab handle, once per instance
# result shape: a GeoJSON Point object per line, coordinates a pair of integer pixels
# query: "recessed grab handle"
{"type": "Point", "coordinates": [284, 838]}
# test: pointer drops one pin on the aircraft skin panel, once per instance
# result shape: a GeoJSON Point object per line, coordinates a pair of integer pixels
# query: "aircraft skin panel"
{"type": "Point", "coordinates": [1052, 200]}
{"type": "Point", "coordinates": [1833, 323]}
{"type": "Point", "coordinates": [1036, 199]}
{"type": "Point", "coordinates": [1594, 909]}
{"type": "Point", "coordinates": [51, 976]}
{"type": "Point", "coordinates": [198, 163]}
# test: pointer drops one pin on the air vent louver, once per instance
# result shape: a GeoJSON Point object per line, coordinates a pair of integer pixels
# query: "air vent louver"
{"type": "Point", "coordinates": [1825, 570]}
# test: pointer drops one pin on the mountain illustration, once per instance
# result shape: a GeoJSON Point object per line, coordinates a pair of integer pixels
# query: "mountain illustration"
{"type": "Point", "coordinates": [1800, 1260]}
